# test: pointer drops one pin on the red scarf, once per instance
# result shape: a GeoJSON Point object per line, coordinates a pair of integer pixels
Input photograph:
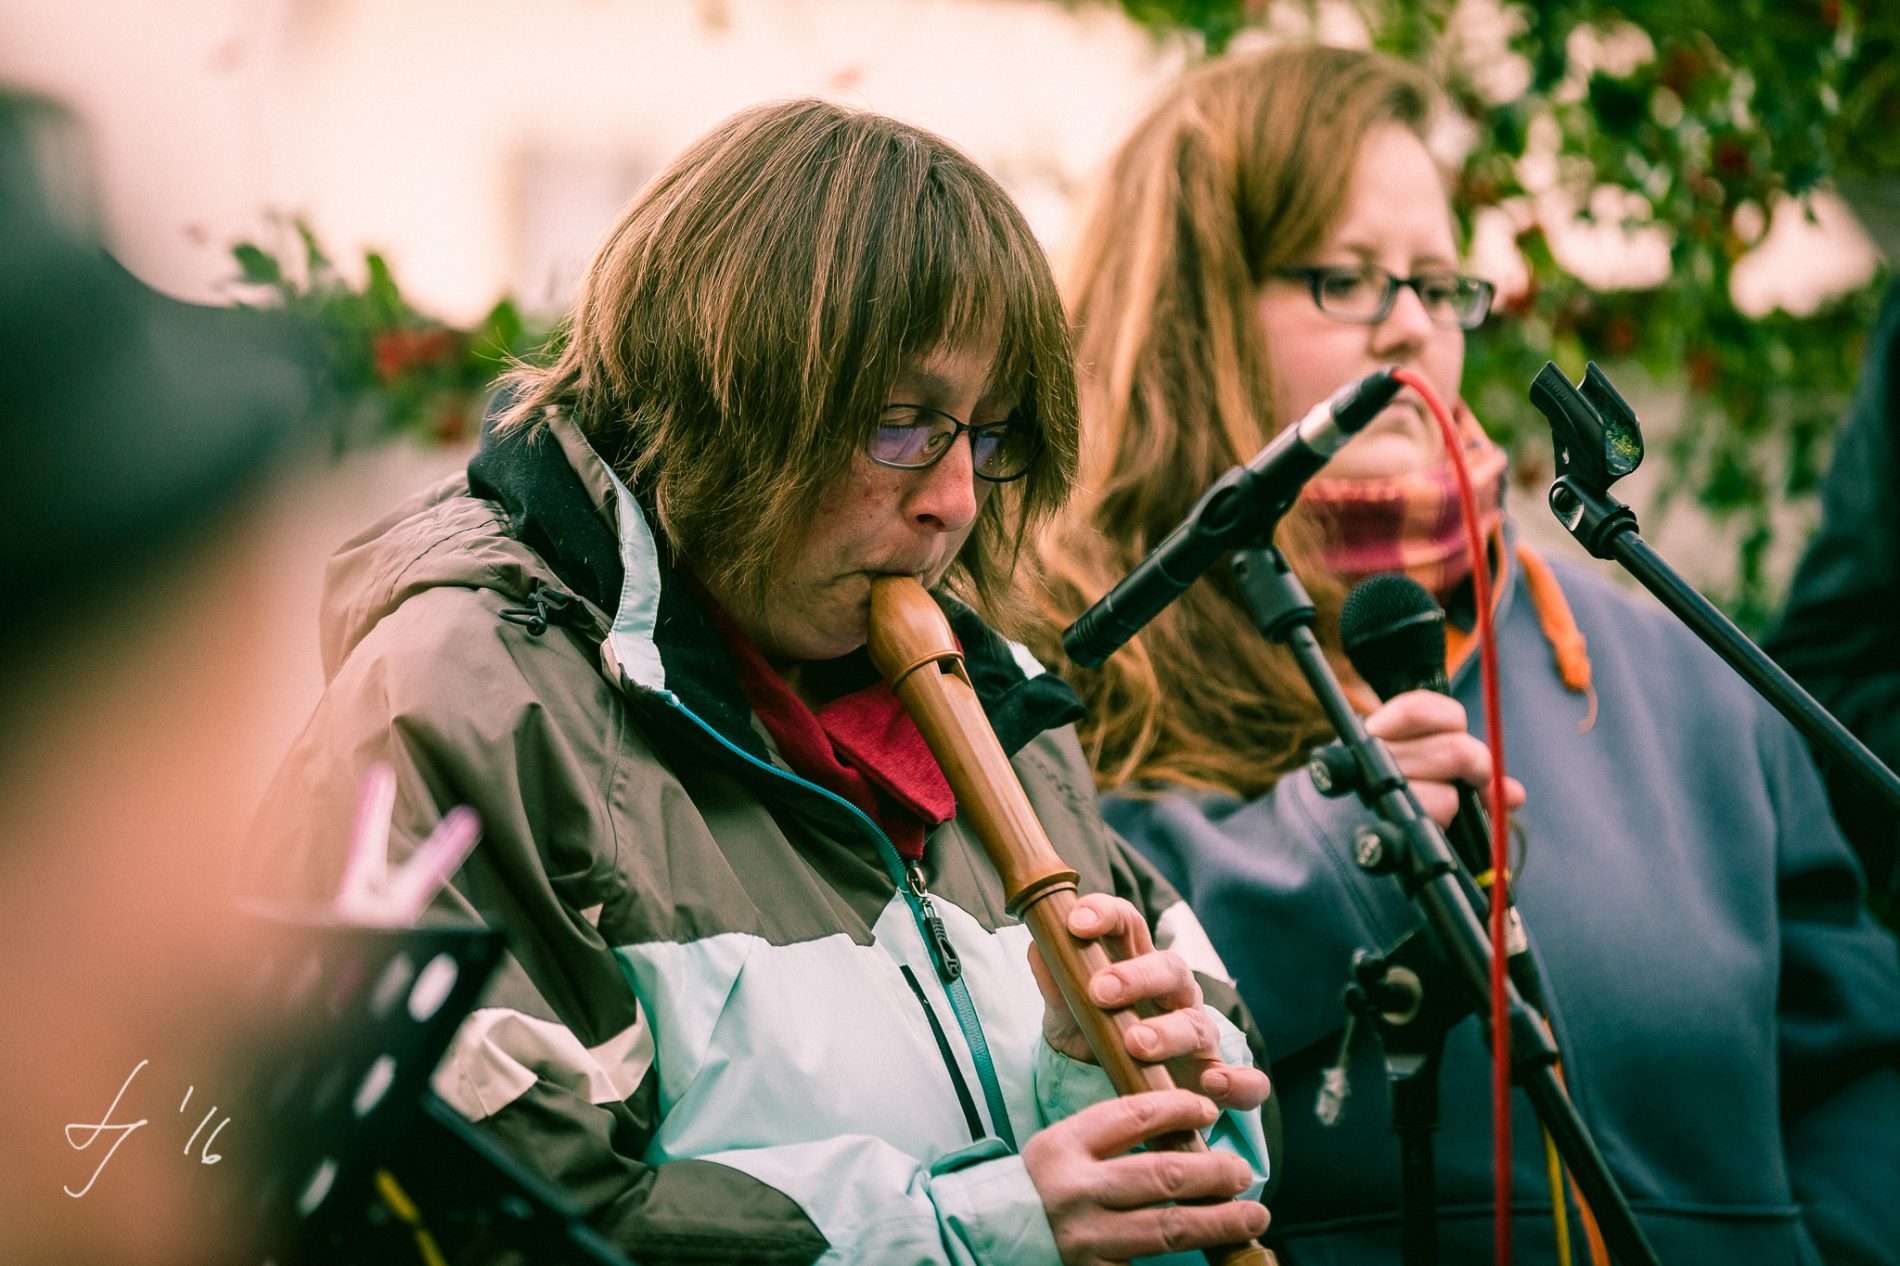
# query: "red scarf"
{"type": "Point", "coordinates": [1411, 522]}
{"type": "Point", "coordinates": [862, 746]}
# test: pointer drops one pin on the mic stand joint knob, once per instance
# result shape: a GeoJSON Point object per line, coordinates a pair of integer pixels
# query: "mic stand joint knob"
{"type": "Point", "coordinates": [1333, 770]}
{"type": "Point", "coordinates": [1375, 846]}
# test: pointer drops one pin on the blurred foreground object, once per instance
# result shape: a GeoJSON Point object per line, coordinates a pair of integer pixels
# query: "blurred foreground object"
{"type": "Point", "coordinates": [146, 438]}
{"type": "Point", "coordinates": [1840, 633]}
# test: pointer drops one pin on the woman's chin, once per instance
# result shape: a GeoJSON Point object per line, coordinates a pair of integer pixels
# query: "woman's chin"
{"type": "Point", "coordinates": [1382, 457]}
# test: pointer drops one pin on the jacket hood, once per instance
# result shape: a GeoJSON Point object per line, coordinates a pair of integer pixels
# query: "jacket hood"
{"type": "Point", "coordinates": [436, 538]}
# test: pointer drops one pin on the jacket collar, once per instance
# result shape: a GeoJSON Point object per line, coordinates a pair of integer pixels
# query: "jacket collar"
{"type": "Point", "coordinates": [549, 508]}
{"type": "Point", "coordinates": [598, 538]}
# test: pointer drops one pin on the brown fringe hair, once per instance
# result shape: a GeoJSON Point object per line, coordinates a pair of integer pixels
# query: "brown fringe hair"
{"type": "Point", "coordinates": [743, 322]}
{"type": "Point", "coordinates": [1241, 169]}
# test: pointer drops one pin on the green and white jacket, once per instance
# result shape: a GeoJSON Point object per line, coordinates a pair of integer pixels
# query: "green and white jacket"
{"type": "Point", "coordinates": [725, 1025]}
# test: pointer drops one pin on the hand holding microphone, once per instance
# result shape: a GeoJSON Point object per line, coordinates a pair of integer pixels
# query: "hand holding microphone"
{"type": "Point", "coordinates": [1394, 634]}
{"type": "Point", "coordinates": [1429, 740]}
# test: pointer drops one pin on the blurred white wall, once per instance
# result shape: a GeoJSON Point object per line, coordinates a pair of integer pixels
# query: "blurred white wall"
{"type": "Point", "coordinates": [484, 144]}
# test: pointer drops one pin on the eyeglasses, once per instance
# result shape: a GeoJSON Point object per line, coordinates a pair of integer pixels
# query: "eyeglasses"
{"type": "Point", "coordinates": [912, 437]}
{"type": "Point", "coordinates": [1365, 295]}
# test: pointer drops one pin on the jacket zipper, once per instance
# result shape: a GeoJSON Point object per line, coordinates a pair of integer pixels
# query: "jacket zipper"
{"type": "Point", "coordinates": [942, 953]}
{"type": "Point", "coordinates": [930, 927]}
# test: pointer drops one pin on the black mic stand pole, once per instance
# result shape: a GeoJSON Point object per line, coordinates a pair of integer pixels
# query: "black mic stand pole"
{"type": "Point", "coordinates": [1408, 844]}
{"type": "Point", "coordinates": [1597, 442]}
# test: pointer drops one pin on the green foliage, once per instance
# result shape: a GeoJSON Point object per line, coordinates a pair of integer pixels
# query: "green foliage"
{"type": "Point", "coordinates": [1216, 21]}
{"type": "Point", "coordinates": [1741, 103]}
{"type": "Point", "coordinates": [389, 369]}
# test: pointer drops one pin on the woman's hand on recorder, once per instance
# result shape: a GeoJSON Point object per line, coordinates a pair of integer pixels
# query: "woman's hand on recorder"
{"type": "Point", "coordinates": [1427, 735]}
{"type": "Point", "coordinates": [1108, 1204]}
{"type": "Point", "coordinates": [1104, 1204]}
{"type": "Point", "coordinates": [1179, 1032]}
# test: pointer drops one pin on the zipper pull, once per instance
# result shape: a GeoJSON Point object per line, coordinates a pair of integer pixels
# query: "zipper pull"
{"type": "Point", "coordinates": [949, 966]}
{"type": "Point", "coordinates": [942, 953]}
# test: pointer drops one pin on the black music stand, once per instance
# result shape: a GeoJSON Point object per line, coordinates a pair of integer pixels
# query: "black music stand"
{"type": "Point", "coordinates": [360, 1162]}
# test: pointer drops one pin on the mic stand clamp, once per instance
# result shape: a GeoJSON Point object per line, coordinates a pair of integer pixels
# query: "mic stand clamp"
{"type": "Point", "coordinates": [1411, 1022]}
{"type": "Point", "coordinates": [1597, 442]}
{"type": "Point", "coordinates": [1454, 955]}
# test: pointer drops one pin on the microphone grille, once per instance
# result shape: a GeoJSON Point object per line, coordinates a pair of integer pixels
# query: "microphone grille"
{"type": "Point", "coordinates": [1394, 634]}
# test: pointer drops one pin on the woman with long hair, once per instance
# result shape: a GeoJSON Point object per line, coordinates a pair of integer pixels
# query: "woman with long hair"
{"type": "Point", "coordinates": [1275, 228]}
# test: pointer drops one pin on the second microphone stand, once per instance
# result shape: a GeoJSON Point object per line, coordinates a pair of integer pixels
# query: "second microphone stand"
{"type": "Point", "coordinates": [1597, 442]}
{"type": "Point", "coordinates": [1408, 845]}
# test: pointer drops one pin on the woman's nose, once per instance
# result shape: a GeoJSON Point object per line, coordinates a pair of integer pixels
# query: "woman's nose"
{"type": "Point", "coordinates": [945, 494]}
{"type": "Point", "coordinates": [1406, 326]}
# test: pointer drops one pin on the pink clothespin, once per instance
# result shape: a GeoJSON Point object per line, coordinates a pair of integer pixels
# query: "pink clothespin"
{"type": "Point", "coordinates": [370, 893]}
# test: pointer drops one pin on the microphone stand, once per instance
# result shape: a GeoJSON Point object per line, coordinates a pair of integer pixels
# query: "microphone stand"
{"type": "Point", "coordinates": [1410, 1021]}
{"type": "Point", "coordinates": [1597, 442]}
{"type": "Point", "coordinates": [1408, 845]}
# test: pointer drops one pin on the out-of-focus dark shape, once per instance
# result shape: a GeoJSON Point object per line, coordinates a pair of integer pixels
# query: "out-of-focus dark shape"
{"type": "Point", "coordinates": [1840, 632]}
{"type": "Point", "coordinates": [146, 442]}
{"type": "Point", "coordinates": [133, 419]}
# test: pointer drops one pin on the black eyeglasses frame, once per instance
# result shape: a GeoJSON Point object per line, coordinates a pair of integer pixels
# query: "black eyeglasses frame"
{"type": "Point", "coordinates": [960, 428]}
{"type": "Point", "coordinates": [1316, 276]}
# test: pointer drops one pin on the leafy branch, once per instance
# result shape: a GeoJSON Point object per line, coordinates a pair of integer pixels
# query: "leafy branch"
{"type": "Point", "coordinates": [389, 368]}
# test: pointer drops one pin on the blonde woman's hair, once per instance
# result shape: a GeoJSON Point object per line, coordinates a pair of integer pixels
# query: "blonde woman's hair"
{"type": "Point", "coordinates": [1241, 169]}
{"type": "Point", "coordinates": [740, 327]}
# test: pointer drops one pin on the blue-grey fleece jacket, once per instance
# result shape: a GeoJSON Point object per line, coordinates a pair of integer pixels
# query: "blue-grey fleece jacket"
{"type": "Point", "coordinates": [1728, 1014]}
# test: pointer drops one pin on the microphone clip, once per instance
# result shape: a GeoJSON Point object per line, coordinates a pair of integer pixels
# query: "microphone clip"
{"type": "Point", "coordinates": [1596, 441]}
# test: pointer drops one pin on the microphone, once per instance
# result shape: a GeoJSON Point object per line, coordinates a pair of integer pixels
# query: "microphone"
{"type": "Point", "coordinates": [1393, 631]}
{"type": "Point", "coordinates": [1242, 505]}
{"type": "Point", "coordinates": [1394, 634]}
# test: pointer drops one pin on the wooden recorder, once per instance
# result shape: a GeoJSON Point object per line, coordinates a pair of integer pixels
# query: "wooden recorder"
{"type": "Point", "coordinates": [911, 645]}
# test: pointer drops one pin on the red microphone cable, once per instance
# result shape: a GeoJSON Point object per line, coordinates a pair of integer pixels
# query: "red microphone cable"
{"type": "Point", "coordinates": [1500, 894]}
